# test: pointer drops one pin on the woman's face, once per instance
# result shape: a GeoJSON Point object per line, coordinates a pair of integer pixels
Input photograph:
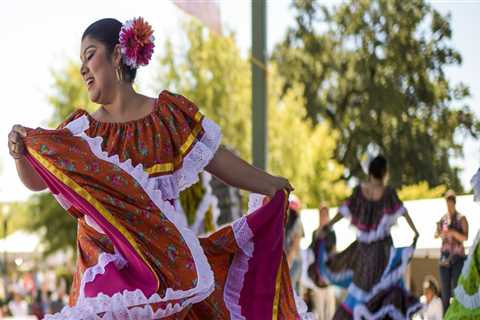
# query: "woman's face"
{"type": "Point", "coordinates": [324, 216]}
{"type": "Point", "coordinates": [98, 71]}
{"type": "Point", "coordinates": [429, 294]}
{"type": "Point", "coordinates": [451, 206]}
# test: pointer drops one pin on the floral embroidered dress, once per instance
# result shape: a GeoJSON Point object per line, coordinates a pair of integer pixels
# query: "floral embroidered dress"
{"type": "Point", "coordinates": [137, 258]}
{"type": "Point", "coordinates": [466, 303]}
{"type": "Point", "coordinates": [371, 268]}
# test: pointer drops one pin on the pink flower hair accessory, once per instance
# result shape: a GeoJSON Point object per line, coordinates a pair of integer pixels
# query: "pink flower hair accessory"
{"type": "Point", "coordinates": [136, 42]}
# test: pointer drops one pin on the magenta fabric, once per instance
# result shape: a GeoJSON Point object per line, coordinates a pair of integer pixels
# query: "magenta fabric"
{"type": "Point", "coordinates": [113, 280]}
{"type": "Point", "coordinates": [257, 295]}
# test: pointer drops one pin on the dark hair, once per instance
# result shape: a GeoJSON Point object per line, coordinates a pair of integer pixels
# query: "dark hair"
{"type": "Point", "coordinates": [431, 283]}
{"type": "Point", "coordinates": [107, 32]}
{"type": "Point", "coordinates": [453, 199]}
{"type": "Point", "coordinates": [378, 167]}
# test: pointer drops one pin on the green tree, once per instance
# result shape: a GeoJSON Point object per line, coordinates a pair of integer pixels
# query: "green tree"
{"type": "Point", "coordinates": [211, 72]}
{"type": "Point", "coordinates": [421, 190]}
{"type": "Point", "coordinates": [58, 228]}
{"type": "Point", "coordinates": [375, 70]}
{"type": "Point", "coordinates": [17, 218]}
{"type": "Point", "coordinates": [300, 151]}
{"type": "Point", "coordinates": [69, 92]}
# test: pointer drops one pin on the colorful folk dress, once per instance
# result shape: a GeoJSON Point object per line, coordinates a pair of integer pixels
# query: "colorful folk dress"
{"type": "Point", "coordinates": [137, 258]}
{"type": "Point", "coordinates": [371, 269]}
{"type": "Point", "coordinates": [466, 303]}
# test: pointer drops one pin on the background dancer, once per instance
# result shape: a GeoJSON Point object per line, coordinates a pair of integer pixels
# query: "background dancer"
{"type": "Point", "coordinates": [371, 268]}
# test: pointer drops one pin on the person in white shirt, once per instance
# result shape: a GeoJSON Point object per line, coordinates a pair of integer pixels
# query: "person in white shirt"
{"type": "Point", "coordinates": [432, 305]}
{"type": "Point", "coordinates": [18, 306]}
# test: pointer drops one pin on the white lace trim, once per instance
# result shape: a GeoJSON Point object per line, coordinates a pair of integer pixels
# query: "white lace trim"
{"type": "Point", "coordinates": [103, 260]}
{"type": "Point", "coordinates": [475, 182]}
{"type": "Point", "coordinates": [129, 305]}
{"type": "Point", "coordinates": [361, 312]}
{"type": "Point", "coordinates": [332, 276]}
{"type": "Point", "coordinates": [383, 228]}
{"type": "Point", "coordinates": [90, 222]}
{"type": "Point", "coordinates": [194, 162]}
{"type": "Point", "coordinates": [255, 201]}
{"type": "Point", "coordinates": [387, 280]}
{"type": "Point", "coordinates": [122, 301]}
{"type": "Point", "coordinates": [302, 308]}
{"type": "Point", "coordinates": [469, 301]}
{"type": "Point", "coordinates": [62, 201]}
{"type": "Point", "coordinates": [239, 267]}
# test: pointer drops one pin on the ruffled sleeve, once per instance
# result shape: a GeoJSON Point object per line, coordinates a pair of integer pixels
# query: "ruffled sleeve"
{"type": "Point", "coordinates": [193, 141]}
{"type": "Point", "coordinates": [372, 219]}
{"type": "Point", "coordinates": [393, 202]}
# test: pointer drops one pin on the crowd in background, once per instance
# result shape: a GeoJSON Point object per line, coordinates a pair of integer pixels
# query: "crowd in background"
{"type": "Point", "coordinates": [33, 299]}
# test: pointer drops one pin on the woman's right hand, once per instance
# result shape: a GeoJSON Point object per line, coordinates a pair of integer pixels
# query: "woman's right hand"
{"type": "Point", "coordinates": [278, 183]}
{"type": "Point", "coordinates": [16, 146]}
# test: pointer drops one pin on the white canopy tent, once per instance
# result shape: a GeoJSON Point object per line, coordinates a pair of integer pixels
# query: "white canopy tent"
{"type": "Point", "coordinates": [20, 242]}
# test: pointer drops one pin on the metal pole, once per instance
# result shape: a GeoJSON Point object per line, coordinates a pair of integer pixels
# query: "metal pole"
{"type": "Point", "coordinates": [259, 83]}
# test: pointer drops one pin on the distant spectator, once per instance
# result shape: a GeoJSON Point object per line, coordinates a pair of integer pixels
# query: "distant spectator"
{"type": "Point", "coordinates": [58, 302]}
{"type": "Point", "coordinates": [36, 307]}
{"type": "Point", "coordinates": [453, 229]}
{"type": "Point", "coordinates": [18, 306]}
{"type": "Point", "coordinates": [323, 294]}
{"type": "Point", "coordinates": [432, 305]}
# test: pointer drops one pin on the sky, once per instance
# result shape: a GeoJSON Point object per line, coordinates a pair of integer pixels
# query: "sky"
{"type": "Point", "coordinates": [40, 36]}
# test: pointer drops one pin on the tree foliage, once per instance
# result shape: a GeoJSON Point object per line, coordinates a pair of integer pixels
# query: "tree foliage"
{"type": "Point", "coordinates": [211, 72]}
{"type": "Point", "coordinates": [301, 151]}
{"type": "Point", "coordinates": [17, 217]}
{"type": "Point", "coordinates": [375, 70]}
{"type": "Point", "coordinates": [57, 228]}
{"type": "Point", "coordinates": [69, 92]}
{"type": "Point", "coordinates": [421, 190]}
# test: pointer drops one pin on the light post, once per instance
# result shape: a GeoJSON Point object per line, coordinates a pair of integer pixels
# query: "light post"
{"type": "Point", "coordinates": [259, 83]}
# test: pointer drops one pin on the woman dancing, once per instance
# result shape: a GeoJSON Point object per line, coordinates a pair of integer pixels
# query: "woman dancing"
{"type": "Point", "coordinates": [119, 171]}
{"type": "Point", "coordinates": [371, 268]}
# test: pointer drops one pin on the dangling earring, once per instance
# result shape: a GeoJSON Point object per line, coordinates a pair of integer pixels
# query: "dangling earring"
{"type": "Point", "coordinates": [119, 74]}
